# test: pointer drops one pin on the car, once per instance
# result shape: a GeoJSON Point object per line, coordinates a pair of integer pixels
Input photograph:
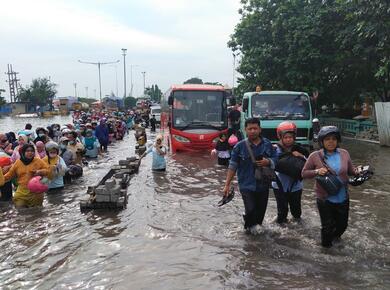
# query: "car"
{"type": "Point", "coordinates": [156, 111]}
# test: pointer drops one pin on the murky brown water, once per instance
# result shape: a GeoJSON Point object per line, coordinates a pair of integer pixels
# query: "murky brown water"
{"type": "Point", "coordinates": [172, 236]}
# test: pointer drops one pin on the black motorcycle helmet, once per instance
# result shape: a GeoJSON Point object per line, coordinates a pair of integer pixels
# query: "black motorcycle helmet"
{"type": "Point", "coordinates": [326, 131]}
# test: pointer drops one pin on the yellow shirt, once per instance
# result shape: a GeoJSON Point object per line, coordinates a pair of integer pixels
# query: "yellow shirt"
{"type": "Point", "coordinates": [1, 177]}
{"type": "Point", "coordinates": [25, 172]}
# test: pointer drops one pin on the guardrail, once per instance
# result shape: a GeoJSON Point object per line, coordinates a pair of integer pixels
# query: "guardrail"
{"type": "Point", "coordinates": [348, 126]}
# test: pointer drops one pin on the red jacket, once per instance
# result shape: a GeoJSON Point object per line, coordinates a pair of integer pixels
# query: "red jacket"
{"type": "Point", "coordinates": [314, 162]}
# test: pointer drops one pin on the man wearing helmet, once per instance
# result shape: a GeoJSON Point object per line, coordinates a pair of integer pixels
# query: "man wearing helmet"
{"type": "Point", "coordinates": [333, 207]}
{"type": "Point", "coordinates": [288, 187]}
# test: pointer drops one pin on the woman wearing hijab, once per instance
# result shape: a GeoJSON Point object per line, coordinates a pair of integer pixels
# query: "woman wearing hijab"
{"type": "Point", "coordinates": [24, 169]}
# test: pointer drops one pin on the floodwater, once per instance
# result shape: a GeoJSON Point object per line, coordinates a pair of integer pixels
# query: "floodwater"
{"type": "Point", "coordinates": [173, 236]}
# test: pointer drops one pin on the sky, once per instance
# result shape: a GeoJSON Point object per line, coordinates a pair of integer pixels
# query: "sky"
{"type": "Point", "coordinates": [171, 41]}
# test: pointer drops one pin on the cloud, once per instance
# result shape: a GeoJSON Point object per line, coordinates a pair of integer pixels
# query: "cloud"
{"type": "Point", "coordinates": [171, 40]}
{"type": "Point", "coordinates": [49, 20]}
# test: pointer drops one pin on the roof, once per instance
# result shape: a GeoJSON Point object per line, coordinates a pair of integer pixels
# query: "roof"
{"type": "Point", "coordinates": [197, 87]}
{"type": "Point", "coordinates": [275, 93]}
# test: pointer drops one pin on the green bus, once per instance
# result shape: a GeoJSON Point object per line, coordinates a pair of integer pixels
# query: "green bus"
{"type": "Point", "coordinates": [274, 107]}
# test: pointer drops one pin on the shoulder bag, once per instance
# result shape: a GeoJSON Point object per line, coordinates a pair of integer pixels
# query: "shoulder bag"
{"type": "Point", "coordinates": [263, 174]}
{"type": "Point", "coordinates": [330, 181]}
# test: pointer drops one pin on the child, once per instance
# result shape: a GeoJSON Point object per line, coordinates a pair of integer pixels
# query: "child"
{"type": "Point", "coordinates": [91, 144]}
{"type": "Point", "coordinates": [57, 165]}
{"type": "Point", "coordinates": [41, 149]}
{"type": "Point", "coordinates": [222, 150]}
{"type": "Point", "coordinates": [159, 151]}
{"type": "Point", "coordinates": [288, 188]}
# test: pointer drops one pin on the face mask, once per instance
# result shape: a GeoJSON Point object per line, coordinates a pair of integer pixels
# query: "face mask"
{"type": "Point", "coordinates": [41, 134]}
{"type": "Point", "coordinates": [52, 155]}
{"type": "Point", "coordinates": [72, 142]}
{"type": "Point", "coordinates": [63, 146]}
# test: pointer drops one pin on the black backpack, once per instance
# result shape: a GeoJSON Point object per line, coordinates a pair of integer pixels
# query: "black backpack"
{"type": "Point", "coordinates": [289, 164]}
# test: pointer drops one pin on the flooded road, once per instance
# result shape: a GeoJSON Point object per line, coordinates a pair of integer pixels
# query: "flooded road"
{"type": "Point", "coordinates": [173, 236]}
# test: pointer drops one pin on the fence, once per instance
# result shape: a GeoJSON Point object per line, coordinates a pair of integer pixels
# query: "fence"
{"type": "Point", "coordinates": [353, 127]}
{"type": "Point", "coordinates": [383, 120]}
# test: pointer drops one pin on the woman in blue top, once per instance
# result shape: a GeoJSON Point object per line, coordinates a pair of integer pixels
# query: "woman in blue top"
{"type": "Point", "coordinates": [159, 151]}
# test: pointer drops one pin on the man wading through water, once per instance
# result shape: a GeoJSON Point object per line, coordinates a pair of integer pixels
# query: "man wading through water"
{"type": "Point", "coordinates": [254, 191]}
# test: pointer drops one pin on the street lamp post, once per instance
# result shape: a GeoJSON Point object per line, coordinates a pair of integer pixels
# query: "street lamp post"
{"type": "Point", "coordinates": [99, 64]}
{"type": "Point", "coordinates": [75, 89]}
{"type": "Point", "coordinates": [124, 71]}
{"type": "Point", "coordinates": [143, 73]}
{"type": "Point", "coordinates": [86, 92]}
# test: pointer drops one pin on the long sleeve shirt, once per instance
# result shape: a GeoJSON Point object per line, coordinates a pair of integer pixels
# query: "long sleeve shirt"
{"type": "Point", "coordinates": [25, 172]}
{"type": "Point", "coordinates": [315, 162]}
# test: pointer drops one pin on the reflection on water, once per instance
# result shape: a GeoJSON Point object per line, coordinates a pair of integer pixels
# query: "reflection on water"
{"type": "Point", "coordinates": [173, 236]}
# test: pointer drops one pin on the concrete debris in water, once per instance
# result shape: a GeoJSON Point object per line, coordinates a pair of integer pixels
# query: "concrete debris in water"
{"type": "Point", "coordinates": [111, 192]}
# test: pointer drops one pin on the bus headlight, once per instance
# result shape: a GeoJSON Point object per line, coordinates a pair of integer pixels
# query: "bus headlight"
{"type": "Point", "coordinates": [181, 139]}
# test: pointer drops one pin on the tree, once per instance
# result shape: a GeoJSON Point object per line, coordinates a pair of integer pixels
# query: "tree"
{"type": "Point", "coordinates": [194, 80]}
{"type": "Point", "coordinates": [130, 102]}
{"type": "Point", "coordinates": [40, 92]}
{"type": "Point", "coordinates": [339, 48]}
{"type": "Point", "coordinates": [154, 93]}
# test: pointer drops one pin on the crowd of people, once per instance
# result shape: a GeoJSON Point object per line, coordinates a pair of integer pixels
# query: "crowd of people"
{"type": "Point", "coordinates": [56, 153]}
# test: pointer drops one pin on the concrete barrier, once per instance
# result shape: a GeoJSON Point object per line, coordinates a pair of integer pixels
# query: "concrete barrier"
{"type": "Point", "coordinates": [383, 120]}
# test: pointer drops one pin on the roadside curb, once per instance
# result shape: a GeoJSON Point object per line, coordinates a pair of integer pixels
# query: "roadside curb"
{"type": "Point", "coordinates": [362, 140]}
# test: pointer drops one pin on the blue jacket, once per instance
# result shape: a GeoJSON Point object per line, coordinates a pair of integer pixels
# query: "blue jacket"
{"type": "Point", "coordinates": [101, 133]}
{"type": "Point", "coordinates": [242, 162]}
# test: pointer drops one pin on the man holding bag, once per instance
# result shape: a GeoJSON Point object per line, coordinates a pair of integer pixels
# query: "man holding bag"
{"type": "Point", "coordinates": [253, 159]}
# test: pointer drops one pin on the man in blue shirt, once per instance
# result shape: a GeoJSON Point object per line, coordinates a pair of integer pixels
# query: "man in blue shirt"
{"type": "Point", "coordinates": [254, 192]}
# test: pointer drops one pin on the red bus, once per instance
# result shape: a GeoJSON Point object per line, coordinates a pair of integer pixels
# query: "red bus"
{"type": "Point", "coordinates": [193, 116]}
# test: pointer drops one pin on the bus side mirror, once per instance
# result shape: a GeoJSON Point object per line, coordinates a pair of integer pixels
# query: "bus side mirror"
{"type": "Point", "coordinates": [170, 100]}
{"type": "Point", "coordinates": [245, 103]}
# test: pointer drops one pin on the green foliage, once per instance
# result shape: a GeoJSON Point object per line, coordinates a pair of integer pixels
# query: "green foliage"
{"type": "Point", "coordinates": [194, 80]}
{"type": "Point", "coordinates": [340, 48]}
{"type": "Point", "coordinates": [89, 101]}
{"type": "Point", "coordinates": [40, 92]}
{"type": "Point", "coordinates": [130, 102]}
{"type": "Point", "coordinates": [154, 93]}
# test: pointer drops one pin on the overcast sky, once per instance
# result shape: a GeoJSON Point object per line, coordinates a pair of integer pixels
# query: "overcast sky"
{"type": "Point", "coordinates": [171, 40]}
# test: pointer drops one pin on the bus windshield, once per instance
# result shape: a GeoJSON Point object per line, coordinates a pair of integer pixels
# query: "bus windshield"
{"type": "Point", "coordinates": [194, 109]}
{"type": "Point", "coordinates": [281, 107]}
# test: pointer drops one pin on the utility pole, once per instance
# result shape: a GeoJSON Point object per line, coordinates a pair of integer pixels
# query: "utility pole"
{"type": "Point", "coordinates": [124, 71]}
{"type": "Point", "coordinates": [131, 79]}
{"type": "Point", "coordinates": [75, 89]}
{"type": "Point", "coordinates": [116, 79]}
{"type": "Point", "coordinates": [143, 73]}
{"type": "Point", "coordinates": [99, 64]}
{"type": "Point", "coordinates": [234, 72]}
{"type": "Point", "coordinates": [13, 83]}
{"type": "Point", "coordinates": [86, 92]}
